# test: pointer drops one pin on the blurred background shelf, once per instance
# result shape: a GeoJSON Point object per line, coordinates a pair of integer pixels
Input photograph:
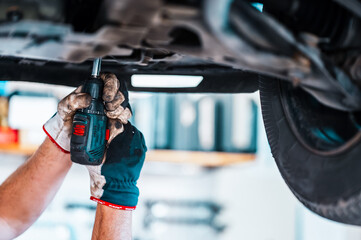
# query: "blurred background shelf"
{"type": "Point", "coordinates": [17, 149]}
{"type": "Point", "coordinates": [204, 159]}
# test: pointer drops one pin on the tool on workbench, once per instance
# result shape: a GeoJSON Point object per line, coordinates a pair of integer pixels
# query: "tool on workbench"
{"type": "Point", "coordinates": [88, 138]}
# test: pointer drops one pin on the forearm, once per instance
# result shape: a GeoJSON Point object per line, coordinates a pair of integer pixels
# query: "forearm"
{"type": "Point", "coordinates": [28, 191]}
{"type": "Point", "coordinates": [112, 224]}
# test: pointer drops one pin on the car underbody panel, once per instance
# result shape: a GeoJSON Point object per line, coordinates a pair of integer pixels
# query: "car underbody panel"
{"type": "Point", "coordinates": [155, 39]}
{"type": "Point", "coordinates": [216, 79]}
{"type": "Point", "coordinates": [228, 42]}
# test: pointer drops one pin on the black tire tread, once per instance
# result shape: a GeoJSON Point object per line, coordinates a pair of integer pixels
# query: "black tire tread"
{"type": "Point", "coordinates": [345, 211]}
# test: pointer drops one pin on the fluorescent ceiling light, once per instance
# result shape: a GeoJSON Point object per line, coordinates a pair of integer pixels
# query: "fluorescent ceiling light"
{"type": "Point", "coordinates": [165, 81]}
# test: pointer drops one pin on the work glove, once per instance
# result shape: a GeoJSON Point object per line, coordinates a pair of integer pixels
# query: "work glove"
{"type": "Point", "coordinates": [114, 182]}
{"type": "Point", "coordinates": [59, 126]}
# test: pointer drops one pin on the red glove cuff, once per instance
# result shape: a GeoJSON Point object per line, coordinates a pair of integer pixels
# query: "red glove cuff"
{"type": "Point", "coordinates": [115, 206]}
{"type": "Point", "coordinates": [50, 137]}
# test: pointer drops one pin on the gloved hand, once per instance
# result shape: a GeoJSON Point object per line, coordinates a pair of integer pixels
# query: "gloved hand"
{"type": "Point", "coordinates": [113, 183]}
{"type": "Point", "coordinates": [59, 126]}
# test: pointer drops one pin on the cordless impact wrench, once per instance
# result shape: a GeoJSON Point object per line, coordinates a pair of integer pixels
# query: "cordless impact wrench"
{"type": "Point", "coordinates": [87, 144]}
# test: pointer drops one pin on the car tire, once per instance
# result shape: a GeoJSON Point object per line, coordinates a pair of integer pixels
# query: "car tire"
{"type": "Point", "coordinates": [324, 174]}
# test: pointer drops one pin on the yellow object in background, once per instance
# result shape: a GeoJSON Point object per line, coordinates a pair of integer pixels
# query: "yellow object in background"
{"type": "Point", "coordinates": [4, 111]}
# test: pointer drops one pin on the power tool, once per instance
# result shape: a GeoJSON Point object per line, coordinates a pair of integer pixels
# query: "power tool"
{"type": "Point", "coordinates": [89, 133]}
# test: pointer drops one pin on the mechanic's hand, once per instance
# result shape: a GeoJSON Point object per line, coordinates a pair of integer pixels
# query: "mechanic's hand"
{"type": "Point", "coordinates": [116, 101]}
{"type": "Point", "coordinates": [115, 96]}
{"type": "Point", "coordinates": [59, 127]}
{"type": "Point", "coordinates": [113, 183]}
